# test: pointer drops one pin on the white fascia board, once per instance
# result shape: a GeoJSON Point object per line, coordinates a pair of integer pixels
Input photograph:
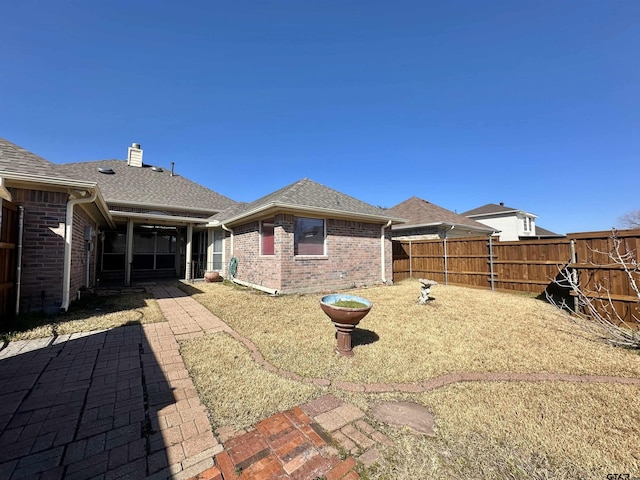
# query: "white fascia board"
{"type": "Point", "coordinates": [444, 224]}
{"type": "Point", "coordinates": [158, 206]}
{"type": "Point", "coordinates": [45, 180]}
{"type": "Point", "coordinates": [315, 211]}
{"type": "Point", "coordinates": [31, 180]}
{"type": "Point", "coordinates": [162, 218]}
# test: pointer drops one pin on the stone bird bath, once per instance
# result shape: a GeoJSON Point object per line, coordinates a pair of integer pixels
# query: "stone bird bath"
{"type": "Point", "coordinates": [345, 311]}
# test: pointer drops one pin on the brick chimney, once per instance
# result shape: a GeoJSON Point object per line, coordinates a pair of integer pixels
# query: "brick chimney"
{"type": "Point", "coordinates": [134, 157]}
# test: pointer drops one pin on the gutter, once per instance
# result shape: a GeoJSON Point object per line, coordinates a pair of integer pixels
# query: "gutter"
{"type": "Point", "coordinates": [382, 255]}
{"type": "Point", "coordinates": [68, 237]}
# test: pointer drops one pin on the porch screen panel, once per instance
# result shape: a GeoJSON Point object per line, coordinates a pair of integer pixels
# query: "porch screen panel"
{"type": "Point", "coordinates": [113, 251]}
{"type": "Point", "coordinates": [165, 252]}
{"type": "Point", "coordinates": [143, 251]}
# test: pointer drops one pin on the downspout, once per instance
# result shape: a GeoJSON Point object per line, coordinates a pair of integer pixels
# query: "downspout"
{"type": "Point", "coordinates": [19, 256]}
{"type": "Point", "coordinates": [446, 269]}
{"type": "Point", "coordinates": [271, 291]}
{"type": "Point", "coordinates": [68, 237]}
{"type": "Point", "coordinates": [383, 266]}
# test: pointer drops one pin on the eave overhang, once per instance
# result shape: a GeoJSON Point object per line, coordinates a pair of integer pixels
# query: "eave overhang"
{"type": "Point", "coordinates": [158, 219]}
{"type": "Point", "coordinates": [461, 226]}
{"type": "Point", "coordinates": [160, 206]}
{"type": "Point", "coordinates": [29, 181]}
{"type": "Point", "coordinates": [276, 207]}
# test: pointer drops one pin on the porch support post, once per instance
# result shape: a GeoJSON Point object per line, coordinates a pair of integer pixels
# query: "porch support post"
{"type": "Point", "coordinates": [188, 255]}
{"type": "Point", "coordinates": [129, 260]}
{"type": "Point", "coordinates": [209, 266]}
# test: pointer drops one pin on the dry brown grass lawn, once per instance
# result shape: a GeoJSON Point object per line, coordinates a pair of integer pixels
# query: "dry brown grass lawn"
{"type": "Point", "coordinates": [463, 330]}
{"type": "Point", "coordinates": [92, 313]}
{"type": "Point", "coordinates": [510, 430]}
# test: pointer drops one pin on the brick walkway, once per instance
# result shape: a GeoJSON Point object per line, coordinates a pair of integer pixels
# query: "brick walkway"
{"type": "Point", "coordinates": [120, 404]}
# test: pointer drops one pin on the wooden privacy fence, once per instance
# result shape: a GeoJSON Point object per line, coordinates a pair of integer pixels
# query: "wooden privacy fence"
{"type": "Point", "coordinates": [532, 266]}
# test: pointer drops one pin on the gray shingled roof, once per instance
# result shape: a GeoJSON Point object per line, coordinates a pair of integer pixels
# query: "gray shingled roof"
{"type": "Point", "coordinates": [488, 209]}
{"type": "Point", "coordinates": [144, 185]}
{"type": "Point", "coordinates": [309, 195]}
{"type": "Point", "coordinates": [543, 232]}
{"type": "Point", "coordinates": [15, 159]}
{"type": "Point", "coordinates": [421, 212]}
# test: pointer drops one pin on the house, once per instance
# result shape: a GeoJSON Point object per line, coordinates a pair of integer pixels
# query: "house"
{"type": "Point", "coordinates": [159, 219]}
{"type": "Point", "coordinates": [426, 220]}
{"type": "Point", "coordinates": [513, 224]}
{"type": "Point", "coordinates": [49, 255]}
{"type": "Point", "coordinates": [125, 221]}
{"type": "Point", "coordinates": [308, 237]}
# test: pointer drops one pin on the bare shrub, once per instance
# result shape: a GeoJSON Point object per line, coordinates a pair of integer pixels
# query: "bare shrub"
{"type": "Point", "coordinates": [594, 310]}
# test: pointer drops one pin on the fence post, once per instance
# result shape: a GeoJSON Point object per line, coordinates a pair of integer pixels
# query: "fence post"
{"type": "Point", "coordinates": [410, 261]}
{"type": "Point", "coordinates": [491, 263]}
{"type": "Point", "coordinates": [446, 273]}
{"type": "Point", "coordinates": [574, 273]}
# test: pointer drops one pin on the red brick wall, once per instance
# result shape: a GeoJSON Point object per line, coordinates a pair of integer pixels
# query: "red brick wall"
{"type": "Point", "coordinates": [43, 249]}
{"type": "Point", "coordinates": [79, 253]}
{"type": "Point", "coordinates": [353, 257]}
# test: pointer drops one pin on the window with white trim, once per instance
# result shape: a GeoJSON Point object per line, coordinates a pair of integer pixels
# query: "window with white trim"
{"type": "Point", "coordinates": [267, 238]}
{"type": "Point", "coordinates": [308, 236]}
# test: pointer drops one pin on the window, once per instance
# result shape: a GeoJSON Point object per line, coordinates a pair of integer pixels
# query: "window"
{"type": "Point", "coordinates": [218, 236]}
{"type": "Point", "coordinates": [308, 236]}
{"type": "Point", "coordinates": [267, 244]}
{"type": "Point", "coordinates": [527, 224]}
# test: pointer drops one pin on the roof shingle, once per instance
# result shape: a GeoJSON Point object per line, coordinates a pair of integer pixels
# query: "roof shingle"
{"type": "Point", "coordinates": [16, 159]}
{"type": "Point", "coordinates": [147, 185]}
{"type": "Point", "coordinates": [308, 194]}
{"type": "Point", "coordinates": [421, 212]}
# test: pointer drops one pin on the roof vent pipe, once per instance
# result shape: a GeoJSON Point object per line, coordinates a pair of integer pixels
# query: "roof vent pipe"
{"type": "Point", "coordinates": [172, 165]}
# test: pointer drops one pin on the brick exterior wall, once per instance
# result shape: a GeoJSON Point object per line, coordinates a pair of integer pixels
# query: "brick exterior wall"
{"type": "Point", "coordinates": [79, 253]}
{"type": "Point", "coordinates": [43, 249]}
{"type": "Point", "coordinates": [353, 257]}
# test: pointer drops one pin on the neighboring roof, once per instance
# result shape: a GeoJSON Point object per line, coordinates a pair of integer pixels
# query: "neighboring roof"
{"type": "Point", "coordinates": [491, 209]}
{"type": "Point", "coordinates": [419, 212]}
{"type": "Point", "coordinates": [147, 185]}
{"type": "Point", "coordinates": [15, 159]}
{"type": "Point", "coordinates": [308, 196]}
{"type": "Point", "coordinates": [543, 232]}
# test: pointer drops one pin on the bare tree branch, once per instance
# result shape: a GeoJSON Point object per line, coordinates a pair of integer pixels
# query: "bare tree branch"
{"type": "Point", "coordinates": [594, 310]}
{"type": "Point", "coordinates": [630, 219]}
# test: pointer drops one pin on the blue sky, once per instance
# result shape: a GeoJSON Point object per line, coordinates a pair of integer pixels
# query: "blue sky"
{"type": "Point", "coordinates": [532, 103]}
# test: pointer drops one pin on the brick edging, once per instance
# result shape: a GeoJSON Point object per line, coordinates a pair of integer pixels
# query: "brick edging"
{"type": "Point", "coordinates": [432, 383]}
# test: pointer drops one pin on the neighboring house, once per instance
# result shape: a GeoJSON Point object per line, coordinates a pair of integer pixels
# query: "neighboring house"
{"type": "Point", "coordinates": [425, 221]}
{"type": "Point", "coordinates": [513, 224]}
{"type": "Point", "coordinates": [307, 237]}
{"type": "Point", "coordinates": [123, 221]}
